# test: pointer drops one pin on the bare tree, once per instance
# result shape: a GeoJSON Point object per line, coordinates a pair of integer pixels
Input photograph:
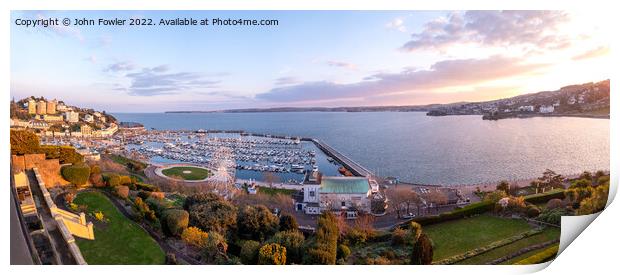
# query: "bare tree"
{"type": "Point", "coordinates": [436, 198]}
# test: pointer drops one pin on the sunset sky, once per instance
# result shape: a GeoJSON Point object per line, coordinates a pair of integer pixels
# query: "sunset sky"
{"type": "Point", "coordinates": [327, 58]}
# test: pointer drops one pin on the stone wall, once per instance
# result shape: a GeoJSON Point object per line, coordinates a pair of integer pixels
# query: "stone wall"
{"type": "Point", "coordinates": [49, 169]}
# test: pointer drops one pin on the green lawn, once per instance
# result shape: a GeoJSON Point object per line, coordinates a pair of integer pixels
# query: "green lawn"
{"type": "Point", "coordinates": [275, 191]}
{"type": "Point", "coordinates": [119, 240]}
{"type": "Point", "coordinates": [547, 235]}
{"type": "Point", "coordinates": [459, 236]}
{"type": "Point", "coordinates": [187, 172]}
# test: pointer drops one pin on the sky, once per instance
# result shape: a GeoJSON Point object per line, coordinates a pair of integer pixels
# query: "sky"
{"type": "Point", "coordinates": [311, 58]}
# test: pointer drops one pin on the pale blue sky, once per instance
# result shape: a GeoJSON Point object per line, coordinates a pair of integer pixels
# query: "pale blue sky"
{"type": "Point", "coordinates": [312, 58]}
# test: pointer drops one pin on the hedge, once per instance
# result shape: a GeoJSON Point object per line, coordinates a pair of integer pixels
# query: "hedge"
{"type": "Point", "coordinates": [541, 257]}
{"type": "Point", "coordinates": [469, 210]}
{"type": "Point", "coordinates": [475, 252]}
{"type": "Point", "coordinates": [64, 154]}
{"type": "Point", "coordinates": [544, 197]}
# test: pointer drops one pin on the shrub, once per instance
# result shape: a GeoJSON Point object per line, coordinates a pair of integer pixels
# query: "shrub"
{"type": "Point", "coordinates": [533, 211]}
{"type": "Point", "coordinates": [195, 237]}
{"type": "Point", "coordinates": [122, 191]}
{"type": "Point", "coordinates": [324, 249]}
{"type": "Point", "coordinates": [77, 174]}
{"type": "Point", "coordinates": [399, 236]}
{"type": "Point", "coordinates": [553, 216]}
{"type": "Point", "coordinates": [210, 212]}
{"type": "Point", "coordinates": [96, 179]}
{"type": "Point", "coordinates": [174, 221]}
{"type": "Point", "coordinates": [495, 196]}
{"type": "Point", "coordinates": [256, 222]}
{"type": "Point", "coordinates": [272, 254]}
{"type": "Point", "coordinates": [113, 180]}
{"type": "Point", "coordinates": [293, 241]}
{"type": "Point", "coordinates": [288, 222]}
{"type": "Point", "coordinates": [343, 251]}
{"type": "Point", "coordinates": [144, 195]}
{"type": "Point", "coordinates": [143, 210]}
{"type": "Point", "coordinates": [249, 252]}
{"type": "Point", "coordinates": [355, 236]}
{"type": "Point", "coordinates": [544, 197]}
{"type": "Point", "coordinates": [554, 203]}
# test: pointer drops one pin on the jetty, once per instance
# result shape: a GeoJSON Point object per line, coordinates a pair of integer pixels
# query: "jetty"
{"type": "Point", "coordinates": [355, 168]}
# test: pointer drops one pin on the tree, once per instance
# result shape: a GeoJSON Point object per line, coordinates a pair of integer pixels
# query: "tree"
{"type": "Point", "coordinates": [174, 221]}
{"type": "Point", "coordinates": [195, 237]}
{"type": "Point", "coordinates": [549, 179]}
{"type": "Point", "coordinates": [211, 213]}
{"type": "Point", "coordinates": [293, 241]}
{"type": "Point", "coordinates": [401, 198]}
{"type": "Point", "coordinates": [23, 142]}
{"type": "Point", "coordinates": [77, 174]}
{"type": "Point", "coordinates": [272, 254]}
{"type": "Point", "coordinates": [323, 250]}
{"type": "Point", "coordinates": [249, 251]}
{"type": "Point", "coordinates": [422, 251]}
{"type": "Point", "coordinates": [113, 180]}
{"type": "Point", "coordinates": [257, 223]}
{"type": "Point", "coordinates": [270, 178]}
{"type": "Point", "coordinates": [288, 222]}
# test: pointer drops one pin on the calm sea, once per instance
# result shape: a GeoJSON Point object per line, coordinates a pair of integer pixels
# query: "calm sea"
{"type": "Point", "coordinates": [422, 149]}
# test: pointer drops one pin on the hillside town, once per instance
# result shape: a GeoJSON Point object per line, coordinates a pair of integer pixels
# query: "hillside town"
{"type": "Point", "coordinates": [56, 119]}
{"type": "Point", "coordinates": [588, 100]}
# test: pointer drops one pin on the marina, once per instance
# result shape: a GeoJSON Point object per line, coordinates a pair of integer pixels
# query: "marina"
{"type": "Point", "coordinates": [260, 157]}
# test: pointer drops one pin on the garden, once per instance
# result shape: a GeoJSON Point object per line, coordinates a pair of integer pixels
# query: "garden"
{"type": "Point", "coordinates": [118, 240]}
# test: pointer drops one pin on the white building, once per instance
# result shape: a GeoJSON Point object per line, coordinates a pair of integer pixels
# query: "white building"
{"type": "Point", "coordinates": [348, 195]}
{"type": "Point", "coordinates": [89, 118]}
{"type": "Point", "coordinates": [546, 109]}
{"type": "Point", "coordinates": [72, 117]}
{"type": "Point", "coordinates": [527, 108]}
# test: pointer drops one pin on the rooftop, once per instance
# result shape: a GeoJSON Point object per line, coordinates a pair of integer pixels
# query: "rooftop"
{"type": "Point", "coordinates": [345, 185]}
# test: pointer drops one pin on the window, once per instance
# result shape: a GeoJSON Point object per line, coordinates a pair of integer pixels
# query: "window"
{"type": "Point", "coordinates": [311, 193]}
{"type": "Point", "coordinates": [344, 204]}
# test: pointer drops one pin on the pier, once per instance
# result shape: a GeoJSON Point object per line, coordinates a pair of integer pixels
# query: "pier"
{"type": "Point", "coordinates": [354, 167]}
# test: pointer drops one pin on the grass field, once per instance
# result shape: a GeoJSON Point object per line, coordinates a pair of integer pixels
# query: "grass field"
{"type": "Point", "coordinates": [275, 191]}
{"type": "Point", "coordinates": [187, 172]}
{"type": "Point", "coordinates": [456, 237]}
{"type": "Point", "coordinates": [547, 235]}
{"type": "Point", "coordinates": [119, 240]}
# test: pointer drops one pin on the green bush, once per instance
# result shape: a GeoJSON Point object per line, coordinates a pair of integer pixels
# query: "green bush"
{"type": "Point", "coordinates": [112, 180]}
{"type": "Point", "coordinates": [288, 222]}
{"type": "Point", "coordinates": [256, 223]}
{"type": "Point", "coordinates": [541, 257]}
{"type": "Point", "coordinates": [77, 174]}
{"type": "Point", "coordinates": [293, 241]}
{"type": "Point", "coordinates": [553, 216]}
{"type": "Point", "coordinates": [533, 211]}
{"type": "Point", "coordinates": [174, 221]}
{"type": "Point", "coordinates": [249, 252]}
{"type": "Point", "coordinates": [272, 254]}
